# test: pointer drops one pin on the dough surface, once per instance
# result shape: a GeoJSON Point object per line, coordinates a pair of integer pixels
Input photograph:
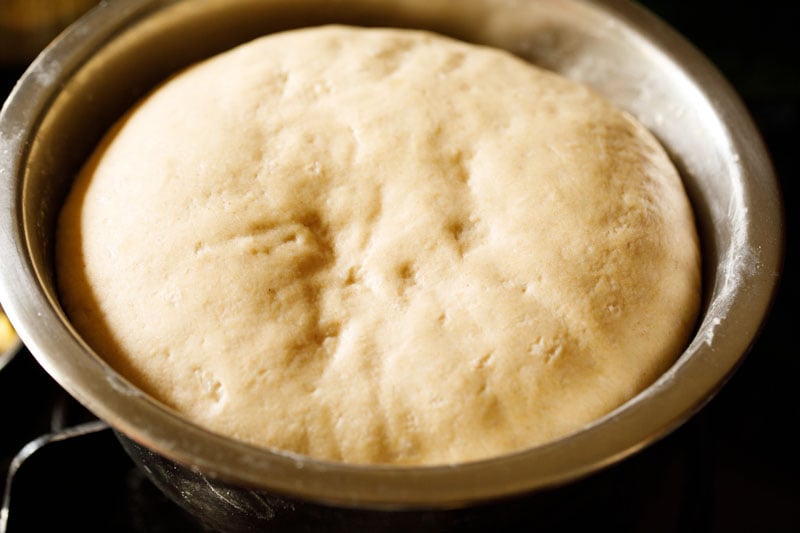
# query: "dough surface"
{"type": "Point", "coordinates": [380, 246]}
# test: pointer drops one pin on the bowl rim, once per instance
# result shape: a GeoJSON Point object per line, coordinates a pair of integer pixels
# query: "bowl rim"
{"type": "Point", "coordinates": [658, 410]}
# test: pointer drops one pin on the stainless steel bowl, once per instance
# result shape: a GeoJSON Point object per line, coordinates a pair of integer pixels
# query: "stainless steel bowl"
{"type": "Point", "coordinates": [93, 72]}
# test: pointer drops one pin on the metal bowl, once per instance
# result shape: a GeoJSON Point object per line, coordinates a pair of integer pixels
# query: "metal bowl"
{"type": "Point", "coordinates": [100, 66]}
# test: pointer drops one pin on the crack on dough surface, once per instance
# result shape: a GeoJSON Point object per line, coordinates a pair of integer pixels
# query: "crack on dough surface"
{"type": "Point", "coordinates": [380, 246]}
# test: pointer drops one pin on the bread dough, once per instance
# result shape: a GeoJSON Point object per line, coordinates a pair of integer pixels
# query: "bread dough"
{"type": "Point", "coordinates": [380, 246]}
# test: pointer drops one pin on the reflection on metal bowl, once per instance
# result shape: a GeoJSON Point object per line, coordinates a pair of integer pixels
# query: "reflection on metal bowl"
{"type": "Point", "coordinates": [89, 76]}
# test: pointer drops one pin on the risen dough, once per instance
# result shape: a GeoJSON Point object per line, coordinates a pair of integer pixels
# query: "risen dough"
{"type": "Point", "coordinates": [381, 246]}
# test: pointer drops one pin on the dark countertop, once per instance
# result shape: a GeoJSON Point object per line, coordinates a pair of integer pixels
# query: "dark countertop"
{"type": "Point", "coordinates": [753, 450]}
{"type": "Point", "coordinates": [735, 466]}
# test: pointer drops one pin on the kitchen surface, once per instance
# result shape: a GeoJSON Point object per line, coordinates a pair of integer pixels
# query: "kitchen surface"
{"type": "Point", "coordinates": [733, 467]}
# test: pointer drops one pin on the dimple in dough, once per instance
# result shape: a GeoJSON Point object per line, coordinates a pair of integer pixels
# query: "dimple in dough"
{"type": "Point", "coordinates": [381, 246]}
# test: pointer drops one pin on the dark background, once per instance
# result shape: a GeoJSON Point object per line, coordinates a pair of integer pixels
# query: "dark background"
{"type": "Point", "coordinates": [753, 448]}
{"type": "Point", "coordinates": [733, 467]}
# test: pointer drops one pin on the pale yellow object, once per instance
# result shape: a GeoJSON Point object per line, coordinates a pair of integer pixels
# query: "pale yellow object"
{"type": "Point", "coordinates": [8, 337]}
{"type": "Point", "coordinates": [381, 246]}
